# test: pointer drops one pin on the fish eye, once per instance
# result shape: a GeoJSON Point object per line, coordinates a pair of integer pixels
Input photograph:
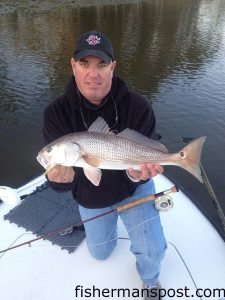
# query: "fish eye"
{"type": "Point", "coordinates": [49, 149]}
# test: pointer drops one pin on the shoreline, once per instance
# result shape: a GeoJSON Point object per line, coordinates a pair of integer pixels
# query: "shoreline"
{"type": "Point", "coordinates": [10, 6]}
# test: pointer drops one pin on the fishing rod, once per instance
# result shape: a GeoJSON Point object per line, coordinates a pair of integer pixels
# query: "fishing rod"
{"type": "Point", "coordinates": [209, 187]}
{"type": "Point", "coordinates": [117, 209]}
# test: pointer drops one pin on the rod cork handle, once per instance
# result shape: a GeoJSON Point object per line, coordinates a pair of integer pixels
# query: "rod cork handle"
{"type": "Point", "coordinates": [145, 199]}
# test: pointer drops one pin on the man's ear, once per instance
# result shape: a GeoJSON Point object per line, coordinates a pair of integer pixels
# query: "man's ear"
{"type": "Point", "coordinates": [113, 66]}
{"type": "Point", "coordinates": [73, 65]}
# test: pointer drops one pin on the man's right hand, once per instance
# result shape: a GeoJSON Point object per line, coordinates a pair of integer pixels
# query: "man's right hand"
{"type": "Point", "coordinates": [61, 174]}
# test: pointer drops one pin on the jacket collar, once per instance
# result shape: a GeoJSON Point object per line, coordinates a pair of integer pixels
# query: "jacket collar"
{"type": "Point", "coordinates": [118, 90]}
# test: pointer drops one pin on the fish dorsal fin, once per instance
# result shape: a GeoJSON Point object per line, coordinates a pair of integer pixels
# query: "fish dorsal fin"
{"type": "Point", "coordinates": [99, 125]}
{"type": "Point", "coordinates": [139, 138]}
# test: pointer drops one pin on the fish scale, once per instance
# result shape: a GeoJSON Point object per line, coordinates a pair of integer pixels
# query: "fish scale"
{"type": "Point", "coordinates": [114, 150]}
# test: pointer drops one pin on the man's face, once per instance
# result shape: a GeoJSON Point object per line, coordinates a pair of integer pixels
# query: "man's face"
{"type": "Point", "coordinates": [93, 77]}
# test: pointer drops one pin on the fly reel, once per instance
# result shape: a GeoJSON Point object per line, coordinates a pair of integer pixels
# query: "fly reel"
{"type": "Point", "coordinates": [164, 203]}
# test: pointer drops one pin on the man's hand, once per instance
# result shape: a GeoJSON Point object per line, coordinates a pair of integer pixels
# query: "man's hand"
{"type": "Point", "coordinates": [147, 171]}
{"type": "Point", "coordinates": [61, 174]}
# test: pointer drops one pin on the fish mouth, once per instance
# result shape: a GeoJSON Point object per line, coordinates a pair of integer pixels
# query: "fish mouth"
{"type": "Point", "coordinates": [43, 161]}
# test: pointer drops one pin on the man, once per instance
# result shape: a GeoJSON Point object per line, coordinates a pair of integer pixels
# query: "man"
{"type": "Point", "coordinates": [95, 91]}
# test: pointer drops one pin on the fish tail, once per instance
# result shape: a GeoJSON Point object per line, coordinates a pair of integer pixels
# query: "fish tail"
{"type": "Point", "coordinates": [189, 157]}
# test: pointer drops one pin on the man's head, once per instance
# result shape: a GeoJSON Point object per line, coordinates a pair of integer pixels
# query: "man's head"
{"type": "Point", "coordinates": [93, 65]}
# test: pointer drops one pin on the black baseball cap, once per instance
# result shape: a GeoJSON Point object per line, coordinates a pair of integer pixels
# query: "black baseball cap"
{"type": "Point", "coordinates": [94, 43]}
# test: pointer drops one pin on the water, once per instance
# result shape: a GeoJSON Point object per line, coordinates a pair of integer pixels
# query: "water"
{"type": "Point", "coordinates": [171, 51]}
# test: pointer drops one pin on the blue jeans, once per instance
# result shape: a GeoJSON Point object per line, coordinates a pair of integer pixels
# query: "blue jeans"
{"type": "Point", "coordinates": [143, 226]}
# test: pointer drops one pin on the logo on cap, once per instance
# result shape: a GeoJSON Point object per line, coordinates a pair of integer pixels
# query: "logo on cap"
{"type": "Point", "coordinates": [93, 40]}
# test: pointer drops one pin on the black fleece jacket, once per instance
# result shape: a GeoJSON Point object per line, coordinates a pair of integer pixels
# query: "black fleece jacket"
{"type": "Point", "coordinates": [72, 113]}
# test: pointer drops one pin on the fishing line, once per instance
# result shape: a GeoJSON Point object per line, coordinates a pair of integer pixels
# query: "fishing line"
{"type": "Point", "coordinates": [213, 196]}
{"type": "Point", "coordinates": [10, 245]}
{"type": "Point", "coordinates": [156, 217]}
{"type": "Point", "coordinates": [209, 187]}
{"type": "Point", "coordinates": [70, 246]}
{"type": "Point", "coordinates": [97, 108]}
{"type": "Point", "coordinates": [137, 225]}
{"type": "Point", "coordinates": [188, 270]}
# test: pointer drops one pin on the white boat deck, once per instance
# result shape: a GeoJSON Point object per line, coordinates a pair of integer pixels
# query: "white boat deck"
{"type": "Point", "coordinates": [195, 258]}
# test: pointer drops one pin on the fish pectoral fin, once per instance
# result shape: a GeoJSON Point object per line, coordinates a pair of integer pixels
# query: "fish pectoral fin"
{"type": "Point", "coordinates": [91, 160]}
{"type": "Point", "coordinates": [94, 175]}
